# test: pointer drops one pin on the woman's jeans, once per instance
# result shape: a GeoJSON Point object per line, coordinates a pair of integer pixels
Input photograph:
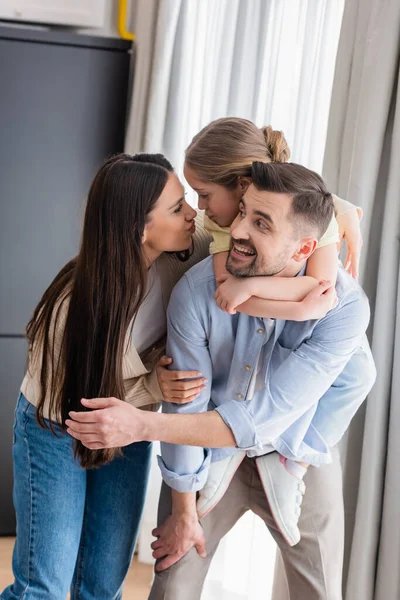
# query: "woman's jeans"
{"type": "Point", "coordinates": [75, 529]}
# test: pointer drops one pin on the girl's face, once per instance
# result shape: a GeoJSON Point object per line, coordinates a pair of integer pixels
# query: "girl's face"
{"type": "Point", "coordinates": [219, 203]}
{"type": "Point", "coordinates": [170, 224]}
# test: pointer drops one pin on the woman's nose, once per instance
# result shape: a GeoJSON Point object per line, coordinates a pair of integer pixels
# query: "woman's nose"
{"type": "Point", "coordinates": [190, 212]}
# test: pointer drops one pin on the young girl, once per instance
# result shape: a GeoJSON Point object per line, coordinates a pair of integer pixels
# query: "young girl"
{"type": "Point", "coordinates": [217, 163]}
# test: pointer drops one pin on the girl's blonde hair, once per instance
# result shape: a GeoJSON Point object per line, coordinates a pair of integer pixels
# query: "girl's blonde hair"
{"type": "Point", "coordinates": [226, 148]}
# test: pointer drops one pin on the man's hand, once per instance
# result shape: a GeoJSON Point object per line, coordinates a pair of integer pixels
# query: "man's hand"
{"type": "Point", "coordinates": [232, 292]}
{"type": "Point", "coordinates": [176, 537]}
{"type": "Point", "coordinates": [112, 424]}
{"type": "Point", "coordinates": [172, 386]}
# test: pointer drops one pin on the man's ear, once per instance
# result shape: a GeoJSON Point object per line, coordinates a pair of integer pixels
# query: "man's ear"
{"type": "Point", "coordinates": [305, 249]}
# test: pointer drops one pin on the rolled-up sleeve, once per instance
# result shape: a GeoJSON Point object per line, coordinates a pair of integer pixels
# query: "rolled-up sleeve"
{"type": "Point", "coordinates": [237, 416]}
{"type": "Point", "coordinates": [185, 468]}
{"type": "Point", "coordinates": [185, 482]}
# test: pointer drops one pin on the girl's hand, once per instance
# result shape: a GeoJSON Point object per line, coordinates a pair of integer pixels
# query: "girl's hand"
{"type": "Point", "coordinates": [172, 386]}
{"type": "Point", "coordinates": [350, 231]}
{"type": "Point", "coordinates": [318, 302]}
{"type": "Point", "coordinates": [231, 292]}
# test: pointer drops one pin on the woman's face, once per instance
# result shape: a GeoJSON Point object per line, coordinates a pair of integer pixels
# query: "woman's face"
{"type": "Point", "coordinates": [171, 222]}
{"type": "Point", "coordinates": [220, 204]}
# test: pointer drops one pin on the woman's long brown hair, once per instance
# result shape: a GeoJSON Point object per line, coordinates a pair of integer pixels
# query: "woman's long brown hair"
{"type": "Point", "coordinates": [105, 284]}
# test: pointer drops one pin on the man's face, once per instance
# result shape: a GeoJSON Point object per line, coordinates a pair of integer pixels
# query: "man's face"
{"type": "Point", "coordinates": [263, 239]}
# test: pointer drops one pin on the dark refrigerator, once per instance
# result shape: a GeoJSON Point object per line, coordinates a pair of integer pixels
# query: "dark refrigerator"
{"type": "Point", "coordinates": [63, 105]}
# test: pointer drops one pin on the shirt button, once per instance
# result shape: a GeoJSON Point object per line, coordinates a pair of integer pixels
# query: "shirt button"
{"type": "Point", "coordinates": [240, 396]}
{"type": "Point", "coordinates": [260, 330]}
{"type": "Point", "coordinates": [247, 367]}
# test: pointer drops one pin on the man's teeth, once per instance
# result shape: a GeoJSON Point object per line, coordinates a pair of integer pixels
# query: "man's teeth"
{"type": "Point", "coordinates": [244, 250]}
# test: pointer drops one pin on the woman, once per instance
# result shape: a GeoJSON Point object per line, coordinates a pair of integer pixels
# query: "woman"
{"type": "Point", "coordinates": [96, 331]}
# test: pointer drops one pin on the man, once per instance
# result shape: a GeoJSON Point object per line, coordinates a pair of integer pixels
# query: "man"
{"type": "Point", "coordinates": [286, 386]}
{"type": "Point", "coordinates": [275, 232]}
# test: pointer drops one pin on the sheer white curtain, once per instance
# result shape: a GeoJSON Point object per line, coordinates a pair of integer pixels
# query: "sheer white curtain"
{"type": "Point", "coordinates": [271, 61]}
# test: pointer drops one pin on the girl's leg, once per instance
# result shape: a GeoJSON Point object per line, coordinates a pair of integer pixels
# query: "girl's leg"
{"type": "Point", "coordinates": [49, 496]}
{"type": "Point", "coordinates": [114, 504]}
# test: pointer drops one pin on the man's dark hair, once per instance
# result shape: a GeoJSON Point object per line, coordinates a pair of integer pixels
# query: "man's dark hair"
{"type": "Point", "coordinates": [312, 205]}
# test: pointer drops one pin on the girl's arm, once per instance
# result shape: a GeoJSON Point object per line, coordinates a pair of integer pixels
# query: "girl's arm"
{"type": "Point", "coordinates": [219, 261]}
{"type": "Point", "coordinates": [280, 297]}
{"type": "Point", "coordinates": [324, 263]}
{"type": "Point", "coordinates": [316, 304]}
{"type": "Point", "coordinates": [348, 217]}
{"type": "Point", "coordinates": [268, 288]}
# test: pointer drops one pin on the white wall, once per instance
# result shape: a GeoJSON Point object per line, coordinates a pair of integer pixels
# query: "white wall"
{"type": "Point", "coordinates": [7, 8]}
{"type": "Point", "coordinates": [110, 20]}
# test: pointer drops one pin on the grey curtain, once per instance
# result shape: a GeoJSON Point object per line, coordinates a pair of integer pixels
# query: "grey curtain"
{"type": "Point", "coordinates": [362, 163]}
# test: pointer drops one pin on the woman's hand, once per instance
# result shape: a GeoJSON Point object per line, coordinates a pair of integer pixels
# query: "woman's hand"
{"type": "Point", "coordinates": [318, 302]}
{"type": "Point", "coordinates": [232, 292]}
{"type": "Point", "coordinates": [350, 231]}
{"type": "Point", "coordinates": [112, 424]}
{"type": "Point", "coordinates": [173, 387]}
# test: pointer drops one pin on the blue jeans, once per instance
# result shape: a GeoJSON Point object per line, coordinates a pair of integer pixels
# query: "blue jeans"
{"type": "Point", "coordinates": [76, 529]}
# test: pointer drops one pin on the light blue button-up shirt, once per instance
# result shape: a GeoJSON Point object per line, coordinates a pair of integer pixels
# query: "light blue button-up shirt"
{"type": "Point", "coordinates": [315, 375]}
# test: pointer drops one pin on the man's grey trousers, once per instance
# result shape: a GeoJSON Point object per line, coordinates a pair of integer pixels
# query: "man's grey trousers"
{"type": "Point", "coordinates": [312, 570]}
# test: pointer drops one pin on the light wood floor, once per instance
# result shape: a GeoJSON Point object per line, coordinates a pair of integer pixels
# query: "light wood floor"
{"type": "Point", "coordinates": [137, 585]}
